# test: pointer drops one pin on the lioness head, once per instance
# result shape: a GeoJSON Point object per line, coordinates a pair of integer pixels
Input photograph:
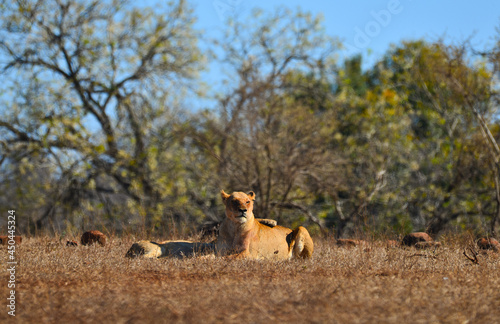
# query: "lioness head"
{"type": "Point", "coordinates": [239, 205]}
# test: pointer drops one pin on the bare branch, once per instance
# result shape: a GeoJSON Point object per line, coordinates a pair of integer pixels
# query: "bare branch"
{"type": "Point", "coordinates": [290, 205]}
{"type": "Point", "coordinates": [472, 258]}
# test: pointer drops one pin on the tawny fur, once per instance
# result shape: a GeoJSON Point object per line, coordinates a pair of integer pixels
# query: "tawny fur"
{"type": "Point", "coordinates": [242, 236]}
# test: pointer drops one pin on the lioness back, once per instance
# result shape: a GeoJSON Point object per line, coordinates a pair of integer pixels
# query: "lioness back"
{"type": "Point", "coordinates": [272, 243]}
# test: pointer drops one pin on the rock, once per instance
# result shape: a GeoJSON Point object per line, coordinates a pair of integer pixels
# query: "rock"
{"type": "Point", "coordinates": [413, 238]}
{"type": "Point", "coordinates": [71, 243]}
{"type": "Point", "coordinates": [4, 240]}
{"type": "Point", "coordinates": [488, 244]}
{"type": "Point", "coordinates": [92, 237]}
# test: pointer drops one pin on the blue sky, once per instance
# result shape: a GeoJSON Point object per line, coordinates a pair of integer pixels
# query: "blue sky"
{"type": "Point", "coordinates": [381, 21]}
{"type": "Point", "coordinates": [368, 27]}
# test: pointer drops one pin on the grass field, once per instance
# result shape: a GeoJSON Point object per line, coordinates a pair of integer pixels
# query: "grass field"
{"type": "Point", "coordinates": [60, 284]}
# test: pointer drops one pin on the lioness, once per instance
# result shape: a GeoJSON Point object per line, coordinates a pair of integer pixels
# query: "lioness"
{"type": "Point", "coordinates": [177, 248]}
{"type": "Point", "coordinates": [242, 236]}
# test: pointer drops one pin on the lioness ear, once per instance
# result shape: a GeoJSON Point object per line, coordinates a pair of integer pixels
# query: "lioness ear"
{"type": "Point", "coordinates": [224, 196]}
{"type": "Point", "coordinates": [251, 194]}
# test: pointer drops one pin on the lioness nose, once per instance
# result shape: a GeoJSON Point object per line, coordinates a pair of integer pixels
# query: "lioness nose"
{"type": "Point", "coordinates": [243, 210]}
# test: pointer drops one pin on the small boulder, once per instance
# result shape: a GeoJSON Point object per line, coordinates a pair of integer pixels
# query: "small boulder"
{"type": "Point", "coordinates": [92, 237]}
{"type": "Point", "coordinates": [4, 240]}
{"type": "Point", "coordinates": [488, 244]}
{"type": "Point", "coordinates": [413, 238]}
{"type": "Point", "coordinates": [72, 243]}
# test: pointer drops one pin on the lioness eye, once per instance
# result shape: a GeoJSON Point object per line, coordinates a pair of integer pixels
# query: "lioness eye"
{"type": "Point", "coordinates": [248, 202]}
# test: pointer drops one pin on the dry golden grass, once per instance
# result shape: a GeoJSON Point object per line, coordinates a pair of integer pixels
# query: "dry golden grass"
{"type": "Point", "coordinates": [83, 284]}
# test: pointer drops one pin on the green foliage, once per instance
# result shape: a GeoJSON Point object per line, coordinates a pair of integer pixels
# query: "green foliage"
{"type": "Point", "coordinates": [96, 103]}
{"type": "Point", "coordinates": [97, 133]}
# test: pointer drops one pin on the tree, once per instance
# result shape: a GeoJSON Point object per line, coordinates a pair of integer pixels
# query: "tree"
{"type": "Point", "coordinates": [488, 131]}
{"type": "Point", "coordinates": [445, 97]}
{"type": "Point", "coordinates": [93, 87]}
{"type": "Point", "coordinates": [267, 136]}
{"type": "Point", "coordinates": [413, 156]}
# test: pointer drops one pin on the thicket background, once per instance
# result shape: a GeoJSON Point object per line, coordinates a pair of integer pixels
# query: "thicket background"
{"type": "Point", "coordinates": [105, 124]}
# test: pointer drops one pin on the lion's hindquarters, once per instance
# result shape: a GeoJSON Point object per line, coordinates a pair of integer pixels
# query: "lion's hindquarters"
{"type": "Point", "coordinates": [283, 243]}
{"type": "Point", "coordinates": [300, 243]}
{"type": "Point", "coordinates": [271, 243]}
{"type": "Point", "coordinates": [146, 249]}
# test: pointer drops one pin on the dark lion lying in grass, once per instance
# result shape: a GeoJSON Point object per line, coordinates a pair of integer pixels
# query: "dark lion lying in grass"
{"type": "Point", "coordinates": [176, 249]}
